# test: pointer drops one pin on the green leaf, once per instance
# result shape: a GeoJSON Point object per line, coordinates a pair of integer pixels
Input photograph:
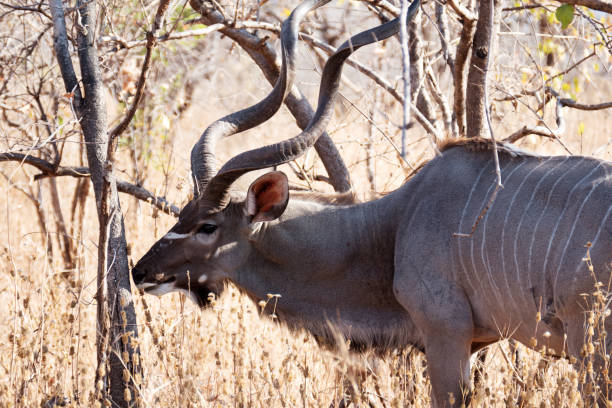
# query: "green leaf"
{"type": "Point", "coordinates": [565, 14]}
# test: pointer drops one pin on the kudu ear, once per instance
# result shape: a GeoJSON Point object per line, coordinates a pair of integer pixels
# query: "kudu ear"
{"type": "Point", "coordinates": [267, 197]}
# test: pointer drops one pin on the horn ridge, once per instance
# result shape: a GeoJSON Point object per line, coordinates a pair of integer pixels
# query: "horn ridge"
{"type": "Point", "coordinates": [290, 149]}
{"type": "Point", "coordinates": [203, 160]}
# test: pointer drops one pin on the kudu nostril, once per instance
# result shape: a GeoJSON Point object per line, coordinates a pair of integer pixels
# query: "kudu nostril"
{"type": "Point", "coordinates": [138, 274]}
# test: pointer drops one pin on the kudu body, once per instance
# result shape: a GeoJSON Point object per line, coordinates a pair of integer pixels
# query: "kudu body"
{"type": "Point", "coordinates": [406, 269]}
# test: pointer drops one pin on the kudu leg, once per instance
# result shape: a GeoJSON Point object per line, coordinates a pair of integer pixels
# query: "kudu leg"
{"type": "Point", "coordinates": [444, 317]}
{"type": "Point", "coordinates": [448, 365]}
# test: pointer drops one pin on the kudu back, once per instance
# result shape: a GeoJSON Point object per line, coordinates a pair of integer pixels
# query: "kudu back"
{"type": "Point", "coordinates": [426, 265]}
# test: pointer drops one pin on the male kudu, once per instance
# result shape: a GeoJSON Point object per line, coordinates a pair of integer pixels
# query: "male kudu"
{"type": "Point", "coordinates": [399, 270]}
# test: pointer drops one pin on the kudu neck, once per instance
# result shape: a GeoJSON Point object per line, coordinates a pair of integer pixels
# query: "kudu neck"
{"type": "Point", "coordinates": [332, 264]}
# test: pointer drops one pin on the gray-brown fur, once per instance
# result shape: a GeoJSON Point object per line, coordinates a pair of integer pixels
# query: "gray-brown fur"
{"type": "Point", "coordinates": [403, 269]}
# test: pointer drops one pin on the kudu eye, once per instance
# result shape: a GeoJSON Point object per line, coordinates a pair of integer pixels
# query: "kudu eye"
{"type": "Point", "coordinates": [207, 229]}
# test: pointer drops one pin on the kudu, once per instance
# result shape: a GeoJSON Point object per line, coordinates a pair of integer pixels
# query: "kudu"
{"type": "Point", "coordinates": [405, 269]}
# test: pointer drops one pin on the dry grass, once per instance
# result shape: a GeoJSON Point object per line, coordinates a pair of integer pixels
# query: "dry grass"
{"type": "Point", "coordinates": [226, 356]}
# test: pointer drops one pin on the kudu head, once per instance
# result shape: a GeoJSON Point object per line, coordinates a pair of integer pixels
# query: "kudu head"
{"type": "Point", "coordinates": [212, 238]}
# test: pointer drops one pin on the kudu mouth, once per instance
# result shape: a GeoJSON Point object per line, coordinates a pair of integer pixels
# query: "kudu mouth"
{"type": "Point", "coordinates": [164, 280]}
{"type": "Point", "coordinates": [152, 284]}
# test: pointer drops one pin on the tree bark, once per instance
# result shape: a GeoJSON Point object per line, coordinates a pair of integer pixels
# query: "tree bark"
{"type": "Point", "coordinates": [459, 75]}
{"type": "Point", "coordinates": [418, 92]}
{"type": "Point", "coordinates": [116, 337]}
{"type": "Point", "coordinates": [482, 50]}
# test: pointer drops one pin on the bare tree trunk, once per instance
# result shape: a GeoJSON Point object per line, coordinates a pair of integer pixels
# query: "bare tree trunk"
{"type": "Point", "coordinates": [459, 75]}
{"type": "Point", "coordinates": [482, 50]}
{"type": "Point", "coordinates": [118, 381]}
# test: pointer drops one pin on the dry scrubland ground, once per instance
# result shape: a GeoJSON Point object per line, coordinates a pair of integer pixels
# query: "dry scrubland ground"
{"type": "Point", "coordinates": [228, 356]}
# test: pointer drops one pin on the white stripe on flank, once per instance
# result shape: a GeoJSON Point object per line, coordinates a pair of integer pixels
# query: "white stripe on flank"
{"type": "Point", "coordinates": [526, 211]}
{"type": "Point", "coordinates": [483, 241]}
{"type": "Point", "coordinates": [554, 231]}
{"type": "Point", "coordinates": [535, 229]}
{"type": "Point", "coordinates": [594, 241]}
{"type": "Point", "coordinates": [482, 226]}
{"type": "Point", "coordinates": [600, 228]}
{"type": "Point", "coordinates": [569, 237]}
{"type": "Point", "coordinates": [459, 239]}
{"type": "Point", "coordinates": [174, 235]}
{"type": "Point", "coordinates": [144, 285]}
{"type": "Point", "coordinates": [506, 182]}
{"type": "Point", "coordinates": [510, 205]}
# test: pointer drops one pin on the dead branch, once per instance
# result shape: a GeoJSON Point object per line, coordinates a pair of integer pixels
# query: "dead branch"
{"type": "Point", "coordinates": [46, 167]}
{"type": "Point", "coordinates": [573, 66]}
{"type": "Point", "coordinates": [48, 170]}
{"type": "Point", "coordinates": [384, 5]}
{"type": "Point", "coordinates": [62, 53]}
{"type": "Point", "coordinates": [463, 12]}
{"type": "Point", "coordinates": [145, 195]}
{"type": "Point", "coordinates": [14, 7]}
{"type": "Point", "coordinates": [523, 7]}
{"type": "Point", "coordinates": [570, 103]}
{"type": "Point", "coordinates": [600, 27]}
{"type": "Point", "coordinates": [546, 131]}
{"type": "Point", "coordinates": [543, 130]}
{"type": "Point", "coordinates": [599, 5]}
{"type": "Point", "coordinates": [513, 97]}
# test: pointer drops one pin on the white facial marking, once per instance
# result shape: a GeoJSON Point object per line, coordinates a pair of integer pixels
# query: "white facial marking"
{"type": "Point", "coordinates": [225, 248]}
{"type": "Point", "coordinates": [203, 278]}
{"type": "Point", "coordinates": [144, 285]}
{"type": "Point", "coordinates": [174, 235]}
{"type": "Point", "coordinates": [162, 289]}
